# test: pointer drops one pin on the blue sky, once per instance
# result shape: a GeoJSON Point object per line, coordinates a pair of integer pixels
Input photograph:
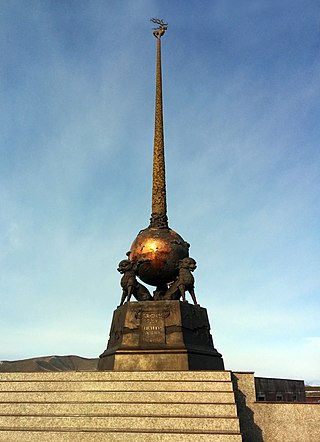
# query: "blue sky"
{"type": "Point", "coordinates": [242, 111]}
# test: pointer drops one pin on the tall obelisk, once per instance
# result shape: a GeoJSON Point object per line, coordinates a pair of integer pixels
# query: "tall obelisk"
{"type": "Point", "coordinates": [159, 332]}
{"type": "Point", "coordinates": [158, 247]}
{"type": "Point", "coordinates": [159, 199]}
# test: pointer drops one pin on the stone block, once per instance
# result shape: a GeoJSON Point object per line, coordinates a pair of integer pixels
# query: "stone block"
{"type": "Point", "coordinates": [162, 335]}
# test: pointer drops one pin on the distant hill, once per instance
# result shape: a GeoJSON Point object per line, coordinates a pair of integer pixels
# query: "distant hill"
{"type": "Point", "coordinates": [50, 363]}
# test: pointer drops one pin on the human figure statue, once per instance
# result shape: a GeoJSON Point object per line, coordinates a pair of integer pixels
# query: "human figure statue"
{"type": "Point", "coordinates": [184, 282]}
{"type": "Point", "coordinates": [130, 285]}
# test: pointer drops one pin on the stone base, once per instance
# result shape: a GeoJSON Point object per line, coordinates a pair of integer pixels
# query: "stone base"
{"type": "Point", "coordinates": [162, 335]}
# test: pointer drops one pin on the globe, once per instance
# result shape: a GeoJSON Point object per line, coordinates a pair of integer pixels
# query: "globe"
{"type": "Point", "coordinates": [158, 252]}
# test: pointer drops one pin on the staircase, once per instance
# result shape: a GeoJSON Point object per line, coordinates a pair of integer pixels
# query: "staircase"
{"type": "Point", "coordinates": [184, 406]}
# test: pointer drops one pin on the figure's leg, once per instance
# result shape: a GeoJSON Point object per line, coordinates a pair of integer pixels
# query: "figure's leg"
{"type": "Point", "coordinates": [160, 292]}
{"type": "Point", "coordinates": [131, 291]}
{"type": "Point", "coordinates": [182, 289]}
{"type": "Point", "coordinates": [172, 292]}
{"type": "Point", "coordinates": [142, 293]}
{"type": "Point", "coordinates": [193, 296]}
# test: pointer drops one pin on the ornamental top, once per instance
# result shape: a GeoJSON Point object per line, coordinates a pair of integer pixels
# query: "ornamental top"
{"type": "Point", "coordinates": [161, 29]}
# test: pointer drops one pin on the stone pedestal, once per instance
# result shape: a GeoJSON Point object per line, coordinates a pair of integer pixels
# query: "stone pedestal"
{"type": "Point", "coordinates": [162, 335]}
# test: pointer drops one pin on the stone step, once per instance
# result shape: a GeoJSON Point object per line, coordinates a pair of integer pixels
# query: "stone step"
{"type": "Point", "coordinates": [120, 376]}
{"type": "Point", "coordinates": [150, 423]}
{"type": "Point", "coordinates": [115, 385]}
{"type": "Point", "coordinates": [38, 435]}
{"type": "Point", "coordinates": [219, 397]}
{"type": "Point", "coordinates": [114, 406]}
{"type": "Point", "coordinates": [129, 409]}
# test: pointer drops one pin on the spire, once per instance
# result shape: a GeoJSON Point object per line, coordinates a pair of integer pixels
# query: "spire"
{"type": "Point", "coordinates": [159, 200]}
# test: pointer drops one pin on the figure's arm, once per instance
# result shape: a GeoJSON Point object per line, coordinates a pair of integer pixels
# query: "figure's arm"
{"type": "Point", "coordinates": [130, 291]}
{"type": "Point", "coordinates": [123, 297]}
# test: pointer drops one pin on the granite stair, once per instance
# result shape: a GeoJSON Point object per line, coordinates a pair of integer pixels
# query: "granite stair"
{"type": "Point", "coordinates": [112, 406]}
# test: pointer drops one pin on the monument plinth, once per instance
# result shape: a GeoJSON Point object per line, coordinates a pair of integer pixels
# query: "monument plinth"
{"type": "Point", "coordinates": [159, 332]}
{"type": "Point", "coordinates": [163, 335]}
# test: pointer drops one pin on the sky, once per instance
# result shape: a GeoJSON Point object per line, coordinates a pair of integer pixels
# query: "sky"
{"type": "Point", "coordinates": [241, 98]}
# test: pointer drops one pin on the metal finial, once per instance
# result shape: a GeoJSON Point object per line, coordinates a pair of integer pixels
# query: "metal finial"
{"type": "Point", "coordinates": [161, 29]}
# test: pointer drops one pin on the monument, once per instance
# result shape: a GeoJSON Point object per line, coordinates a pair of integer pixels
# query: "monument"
{"type": "Point", "coordinates": [159, 331]}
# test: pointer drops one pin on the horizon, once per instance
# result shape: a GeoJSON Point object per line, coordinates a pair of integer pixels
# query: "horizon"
{"type": "Point", "coordinates": [241, 120]}
{"type": "Point", "coordinates": [312, 383]}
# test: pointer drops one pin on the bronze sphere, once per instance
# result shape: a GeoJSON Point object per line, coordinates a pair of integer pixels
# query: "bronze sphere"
{"type": "Point", "coordinates": [158, 251]}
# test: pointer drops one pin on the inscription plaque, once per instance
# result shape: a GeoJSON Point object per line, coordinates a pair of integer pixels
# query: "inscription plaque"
{"type": "Point", "coordinates": [152, 328]}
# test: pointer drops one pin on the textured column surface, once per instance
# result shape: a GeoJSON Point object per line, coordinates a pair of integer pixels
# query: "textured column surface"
{"type": "Point", "coordinates": [159, 203]}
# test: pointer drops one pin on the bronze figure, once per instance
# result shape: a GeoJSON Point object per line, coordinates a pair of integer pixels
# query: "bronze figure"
{"type": "Point", "coordinates": [184, 282]}
{"type": "Point", "coordinates": [161, 29]}
{"type": "Point", "coordinates": [130, 285]}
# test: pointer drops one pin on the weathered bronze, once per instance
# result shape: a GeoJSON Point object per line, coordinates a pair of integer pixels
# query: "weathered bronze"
{"type": "Point", "coordinates": [184, 282]}
{"type": "Point", "coordinates": [160, 247]}
{"type": "Point", "coordinates": [159, 198]}
{"type": "Point", "coordinates": [161, 29]}
{"type": "Point", "coordinates": [167, 334]}
{"type": "Point", "coordinates": [161, 250]}
{"type": "Point", "coordinates": [130, 285]}
{"type": "Point", "coordinates": [164, 335]}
